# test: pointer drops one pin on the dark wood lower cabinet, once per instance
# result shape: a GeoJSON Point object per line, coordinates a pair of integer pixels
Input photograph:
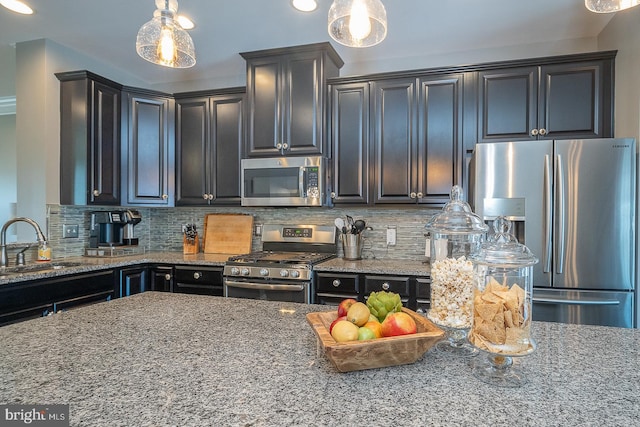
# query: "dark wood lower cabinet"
{"type": "Point", "coordinates": [133, 281]}
{"type": "Point", "coordinates": [198, 280]}
{"type": "Point", "coordinates": [161, 278]}
{"type": "Point", "coordinates": [25, 300]}
{"type": "Point", "coordinates": [331, 288]}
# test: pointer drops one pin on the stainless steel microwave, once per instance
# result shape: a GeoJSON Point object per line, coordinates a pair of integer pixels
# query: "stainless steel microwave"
{"type": "Point", "coordinates": [283, 181]}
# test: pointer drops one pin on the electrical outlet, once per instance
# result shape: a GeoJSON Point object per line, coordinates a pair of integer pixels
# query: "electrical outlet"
{"type": "Point", "coordinates": [391, 236]}
{"type": "Point", "coordinates": [70, 230]}
{"type": "Point", "coordinates": [257, 229]}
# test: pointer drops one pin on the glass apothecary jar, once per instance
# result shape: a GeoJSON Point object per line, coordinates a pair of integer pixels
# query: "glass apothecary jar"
{"type": "Point", "coordinates": [502, 305]}
{"type": "Point", "coordinates": [456, 233]}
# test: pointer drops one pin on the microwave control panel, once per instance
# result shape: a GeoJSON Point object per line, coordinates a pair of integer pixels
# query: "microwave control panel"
{"type": "Point", "coordinates": [312, 186]}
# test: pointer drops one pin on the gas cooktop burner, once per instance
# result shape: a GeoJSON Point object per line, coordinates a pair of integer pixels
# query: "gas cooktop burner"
{"type": "Point", "coordinates": [271, 257]}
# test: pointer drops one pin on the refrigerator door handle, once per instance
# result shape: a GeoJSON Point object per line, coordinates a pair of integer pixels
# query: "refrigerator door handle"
{"type": "Point", "coordinates": [546, 255]}
{"type": "Point", "coordinates": [561, 212]}
{"type": "Point", "coordinates": [575, 301]}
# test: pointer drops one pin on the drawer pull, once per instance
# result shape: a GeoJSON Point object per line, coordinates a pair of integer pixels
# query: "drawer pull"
{"type": "Point", "coordinates": [336, 283]}
{"type": "Point", "coordinates": [386, 286]}
{"type": "Point", "coordinates": [196, 275]}
{"type": "Point", "coordinates": [167, 276]}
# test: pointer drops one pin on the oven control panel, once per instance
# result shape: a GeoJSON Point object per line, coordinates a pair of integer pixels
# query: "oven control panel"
{"type": "Point", "coordinates": [306, 233]}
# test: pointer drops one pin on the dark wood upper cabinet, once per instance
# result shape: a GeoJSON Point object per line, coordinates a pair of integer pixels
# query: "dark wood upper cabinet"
{"type": "Point", "coordinates": [286, 94]}
{"type": "Point", "coordinates": [440, 153]}
{"type": "Point", "coordinates": [209, 139]}
{"type": "Point", "coordinates": [148, 157]}
{"type": "Point", "coordinates": [551, 101]}
{"type": "Point", "coordinates": [193, 119]}
{"type": "Point", "coordinates": [395, 142]}
{"type": "Point", "coordinates": [576, 100]}
{"type": "Point", "coordinates": [89, 139]}
{"type": "Point", "coordinates": [349, 133]}
{"type": "Point", "coordinates": [417, 138]}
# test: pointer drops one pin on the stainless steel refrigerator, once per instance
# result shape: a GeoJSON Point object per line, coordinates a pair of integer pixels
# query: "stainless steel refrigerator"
{"type": "Point", "coordinates": [573, 203]}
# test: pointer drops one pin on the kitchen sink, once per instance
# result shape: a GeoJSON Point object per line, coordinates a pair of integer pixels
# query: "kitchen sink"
{"type": "Point", "coordinates": [34, 268]}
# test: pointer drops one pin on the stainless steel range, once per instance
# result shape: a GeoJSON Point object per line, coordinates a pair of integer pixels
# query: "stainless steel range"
{"type": "Point", "coordinates": [283, 270]}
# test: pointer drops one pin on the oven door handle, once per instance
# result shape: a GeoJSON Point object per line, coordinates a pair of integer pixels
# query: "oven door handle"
{"type": "Point", "coordinates": [263, 286]}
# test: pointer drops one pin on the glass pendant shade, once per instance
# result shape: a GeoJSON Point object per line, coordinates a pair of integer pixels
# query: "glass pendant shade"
{"type": "Point", "coordinates": [357, 23]}
{"type": "Point", "coordinates": [608, 6]}
{"type": "Point", "coordinates": [163, 42]}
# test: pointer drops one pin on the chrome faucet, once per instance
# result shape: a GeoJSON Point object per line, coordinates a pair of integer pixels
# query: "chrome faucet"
{"type": "Point", "coordinates": [4, 259]}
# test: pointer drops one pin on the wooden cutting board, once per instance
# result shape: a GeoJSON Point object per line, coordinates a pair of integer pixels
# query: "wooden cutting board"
{"type": "Point", "coordinates": [227, 233]}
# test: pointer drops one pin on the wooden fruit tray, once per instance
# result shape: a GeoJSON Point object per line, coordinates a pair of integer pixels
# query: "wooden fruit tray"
{"type": "Point", "coordinates": [378, 353]}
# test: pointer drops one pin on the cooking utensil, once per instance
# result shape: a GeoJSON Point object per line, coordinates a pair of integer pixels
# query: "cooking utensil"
{"type": "Point", "coordinates": [350, 225]}
{"type": "Point", "coordinates": [359, 225]}
{"type": "Point", "coordinates": [339, 222]}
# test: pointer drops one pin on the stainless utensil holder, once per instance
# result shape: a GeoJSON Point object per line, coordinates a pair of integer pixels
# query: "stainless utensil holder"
{"type": "Point", "coordinates": [352, 246]}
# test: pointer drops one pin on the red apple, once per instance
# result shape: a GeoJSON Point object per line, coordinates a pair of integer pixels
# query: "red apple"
{"type": "Point", "coordinates": [336, 321]}
{"type": "Point", "coordinates": [344, 306]}
{"type": "Point", "coordinates": [399, 323]}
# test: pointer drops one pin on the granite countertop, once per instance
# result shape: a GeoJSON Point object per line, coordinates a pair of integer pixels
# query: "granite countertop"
{"type": "Point", "coordinates": [386, 266]}
{"type": "Point", "coordinates": [80, 264]}
{"type": "Point", "coordinates": [75, 265]}
{"type": "Point", "coordinates": [166, 359]}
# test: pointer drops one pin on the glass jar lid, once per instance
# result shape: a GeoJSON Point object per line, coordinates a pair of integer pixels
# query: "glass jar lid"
{"type": "Point", "coordinates": [456, 217]}
{"type": "Point", "coordinates": [503, 249]}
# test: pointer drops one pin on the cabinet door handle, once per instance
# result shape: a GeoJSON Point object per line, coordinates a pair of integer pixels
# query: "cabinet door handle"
{"type": "Point", "coordinates": [419, 195]}
{"type": "Point", "coordinates": [167, 277]}
{"type": "Point", "coordinates": [196, 275]}
{"type": "Point", "coordinates": [336, 283]}
{"type": "Point", "coordinates": [386, 286]}
{"type": "Point", "coordinates": [333, 194]}
{"type": "Point", "coordinates": [534, 132]}
{"type": "Point", "coordinates": [205, 196]}
{"type": "Point", "coordinates": [412, 195]}
{"type": "Point", "coordinates": [285, 146]}
{"type": "Point", "coordinates": [96, 193]}
{"type": "Point", "coordinates": [543, 131]}
{"type": "Point", "coordinates": [210, 197]}
{"type": "Point", "coordinates": [165, 197]}
{"type": "Point", "coordinates": [279, 146]}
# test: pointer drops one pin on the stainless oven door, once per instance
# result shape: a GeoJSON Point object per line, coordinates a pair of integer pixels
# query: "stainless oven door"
{"type": "Point", "coordinates": [268, 291]}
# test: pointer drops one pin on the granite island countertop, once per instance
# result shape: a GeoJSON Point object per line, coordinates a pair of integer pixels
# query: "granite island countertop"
{"type": "Point", "coordinates": [166, 359]}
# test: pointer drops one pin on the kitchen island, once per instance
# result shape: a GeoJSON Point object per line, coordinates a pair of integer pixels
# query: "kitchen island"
{"type": "Point", "coordinates": [166, 359]}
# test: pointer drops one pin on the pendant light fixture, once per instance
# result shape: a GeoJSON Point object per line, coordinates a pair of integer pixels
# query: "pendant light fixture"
{"type": "Point", "coordinates": [608, 6]}
{"type": "Point", "coordinates": [162, 41]}
{"type": "Point", "coordinates": [305, 5]}
{"type": "Point", "coordinates": [357, 23]}
{"type": "Point", "coordinates": [17, 6]}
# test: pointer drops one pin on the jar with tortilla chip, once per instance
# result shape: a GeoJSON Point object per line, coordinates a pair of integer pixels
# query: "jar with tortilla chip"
{"type": "Point", "coordinates": [502, 304]}
{"type": "Point", "coordinates": [456, 233]}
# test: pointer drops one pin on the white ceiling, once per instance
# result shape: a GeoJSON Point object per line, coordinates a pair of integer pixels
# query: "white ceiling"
{"type": "Point", "coordinates": [106, 29]}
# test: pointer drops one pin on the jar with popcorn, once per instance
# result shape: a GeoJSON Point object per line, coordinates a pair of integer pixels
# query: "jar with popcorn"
{"type": "Point", "coordinates": [456, 233]}
{"type": "Point", "coordinates": [502, 304]}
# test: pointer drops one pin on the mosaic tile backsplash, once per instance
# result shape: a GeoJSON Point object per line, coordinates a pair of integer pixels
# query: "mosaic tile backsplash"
{"type": "Point", "coordinates": [161, 228]}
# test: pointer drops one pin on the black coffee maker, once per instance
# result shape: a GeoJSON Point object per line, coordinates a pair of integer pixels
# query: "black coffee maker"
{"type": "Point", "coordinates": [113, 228]}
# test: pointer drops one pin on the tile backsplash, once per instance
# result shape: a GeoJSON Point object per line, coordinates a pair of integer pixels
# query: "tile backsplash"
{"type": "Point", "coordinates": [161, 228]}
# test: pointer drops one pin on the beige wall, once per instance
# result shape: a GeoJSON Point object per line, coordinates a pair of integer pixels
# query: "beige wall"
{"type": "Point", "coordinates": [623, 34]}
{"type": "Point", "coordinates": [8, 170]}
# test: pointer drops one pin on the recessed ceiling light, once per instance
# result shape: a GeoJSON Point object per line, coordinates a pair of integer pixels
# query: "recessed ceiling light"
{"type": "Point", "coordinates": [17, 6]}
{"type": "Point", "coordinates": [305, 5]}
{"type": "Point", "coordinates": [185, 23]}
